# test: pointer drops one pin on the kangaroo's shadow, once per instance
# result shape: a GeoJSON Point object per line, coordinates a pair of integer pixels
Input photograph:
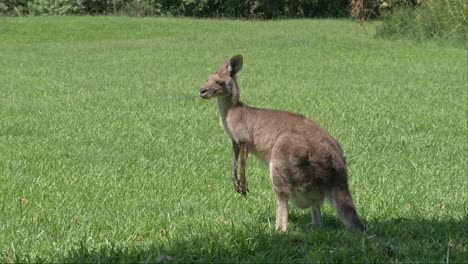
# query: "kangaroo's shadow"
{"type": "Point", "coordinates": [397, 239]}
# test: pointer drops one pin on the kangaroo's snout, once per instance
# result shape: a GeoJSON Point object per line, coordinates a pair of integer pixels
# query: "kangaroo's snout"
{"type": "Point", "coordinates": [204, 93]}
{"type": "Point", "coordinates": [214, 87]}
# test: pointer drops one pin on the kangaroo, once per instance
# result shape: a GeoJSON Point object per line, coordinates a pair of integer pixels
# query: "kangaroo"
{"type": "Point", "coordinates": [305, 163]}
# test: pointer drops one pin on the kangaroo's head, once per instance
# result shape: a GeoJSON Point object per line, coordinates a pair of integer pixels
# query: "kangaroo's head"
{"type": "Point", "coordinates": [223, 82]}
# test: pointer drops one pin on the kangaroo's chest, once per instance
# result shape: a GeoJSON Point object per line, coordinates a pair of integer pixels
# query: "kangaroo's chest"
{"type": "Point", "coordinates": [224, 124]}
{"type": "Point", "coordinates": [240, 132]}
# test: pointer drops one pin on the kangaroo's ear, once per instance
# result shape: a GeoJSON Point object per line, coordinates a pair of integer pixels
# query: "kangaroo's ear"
{"type": "Point", "coordinates": [235, 64]}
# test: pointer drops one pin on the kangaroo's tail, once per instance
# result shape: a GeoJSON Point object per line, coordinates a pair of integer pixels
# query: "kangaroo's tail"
{"type": "Point", "coordinates": [341, 200]}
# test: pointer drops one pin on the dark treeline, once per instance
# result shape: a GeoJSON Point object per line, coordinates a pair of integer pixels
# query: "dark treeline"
{"type": "Point", "coordinates": [419, 19]}
{"type": "Point", "coordinates": [256, 9]}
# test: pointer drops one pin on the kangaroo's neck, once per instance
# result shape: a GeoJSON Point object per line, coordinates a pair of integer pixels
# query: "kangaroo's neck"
{"type": "Point", "coordinates": [224, 103]}
{"type": "Point", "coordinates": [230, 101]}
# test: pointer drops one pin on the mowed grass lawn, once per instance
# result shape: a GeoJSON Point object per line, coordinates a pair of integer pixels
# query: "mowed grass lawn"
{"type": "Point", "coordinates": [107, 154]}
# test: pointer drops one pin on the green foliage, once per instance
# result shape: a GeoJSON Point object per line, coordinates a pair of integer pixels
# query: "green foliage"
{"type": "Point", "coordinates": [3, 8]}
{"type": "Point", "coordinates": [107, 153]}
{"type": "Point", "coordinates": [139, 8]}
{"type": "Point", "coordinates": [192, 8]}
{"type": "Point", "coordinates": [440, 19]}
{"type": "Point", "coordinates": [264, 8]}
{"type": "Point", "coordinates": [55, 7]}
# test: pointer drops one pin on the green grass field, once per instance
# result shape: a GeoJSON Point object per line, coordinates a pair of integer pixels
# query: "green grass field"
{"type": "Point", "coordinates": [107, 154]}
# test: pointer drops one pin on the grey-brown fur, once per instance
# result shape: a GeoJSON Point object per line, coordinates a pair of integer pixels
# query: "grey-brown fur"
{"type": "Point", "coordinates": [306, 164]}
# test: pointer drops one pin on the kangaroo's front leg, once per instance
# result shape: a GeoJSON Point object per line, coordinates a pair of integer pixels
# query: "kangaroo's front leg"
{"type": "Point", "coordinates": [235, 156]}
{"type": "Point", "coordinates": [244, 153]}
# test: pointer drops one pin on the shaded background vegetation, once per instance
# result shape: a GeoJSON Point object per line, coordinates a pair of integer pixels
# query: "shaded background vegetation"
{"type": "Point", "coordinates": [263, 9]}
{"type": "Point", "coordinates": [417, 19]}
{"type": "Point", "coordinates": [441, 19]}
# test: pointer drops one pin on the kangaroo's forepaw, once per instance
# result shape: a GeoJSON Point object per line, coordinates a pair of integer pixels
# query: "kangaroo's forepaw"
{"type": "Point", "coordinates": [245, 189]}
{"type": "Point", "coordinates": [237, 186]}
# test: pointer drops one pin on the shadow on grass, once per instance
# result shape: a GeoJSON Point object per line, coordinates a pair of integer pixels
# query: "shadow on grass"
{"type": "Point", "coordinates": [399, 239]}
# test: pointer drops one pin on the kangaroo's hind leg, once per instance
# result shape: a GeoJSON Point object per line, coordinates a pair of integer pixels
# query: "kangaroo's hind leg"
{"type": "Point", "coordinates": [278, 180]}
{"type": "Point", "coordinates": [281, 212]}
{"type": "Point", "coordinates": [316, 217]}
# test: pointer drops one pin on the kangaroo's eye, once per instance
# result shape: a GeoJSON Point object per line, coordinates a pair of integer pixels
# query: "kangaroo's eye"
{"type": "Point", "coordinates": [219, 82]}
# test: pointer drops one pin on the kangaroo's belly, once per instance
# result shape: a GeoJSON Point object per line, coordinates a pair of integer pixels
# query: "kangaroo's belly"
{"type": "Point", "coordinates": [261, 155]}
{"type": "Point", "coordinates": [305, 200]}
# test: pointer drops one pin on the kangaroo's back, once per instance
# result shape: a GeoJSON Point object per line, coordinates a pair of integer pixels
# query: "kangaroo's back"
{"type": "Point", "coordinates": [262, 128]}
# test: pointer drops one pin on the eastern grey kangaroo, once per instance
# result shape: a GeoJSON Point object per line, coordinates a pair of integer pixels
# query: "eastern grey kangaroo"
{"type": "Point", "coordinates": [306, 164]}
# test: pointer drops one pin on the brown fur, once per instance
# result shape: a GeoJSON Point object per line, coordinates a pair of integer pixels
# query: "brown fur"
{"type": "Point", "coordinates": [306, 164]}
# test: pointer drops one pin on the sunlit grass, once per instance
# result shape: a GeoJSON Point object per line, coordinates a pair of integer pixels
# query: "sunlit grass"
{"type": "Point", "coordinates": [107, 153]}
